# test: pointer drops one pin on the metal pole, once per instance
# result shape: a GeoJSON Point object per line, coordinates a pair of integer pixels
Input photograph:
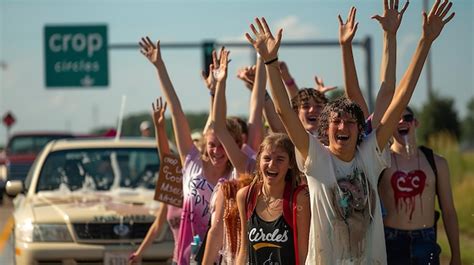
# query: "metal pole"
{"type": "Point", "coordinates": [429, 78]}
{"type": "Point", "coordinates": [368, 69]}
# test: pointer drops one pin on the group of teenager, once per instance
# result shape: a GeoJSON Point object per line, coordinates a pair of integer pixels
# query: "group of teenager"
{"type": "Point", "coordinates": [328, 183]}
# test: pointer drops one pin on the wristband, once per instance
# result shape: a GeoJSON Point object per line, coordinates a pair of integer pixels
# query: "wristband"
{"type": "Point", "coordinates": [271, 61]}
{"type": "Point", "coordinates": [290, 82]}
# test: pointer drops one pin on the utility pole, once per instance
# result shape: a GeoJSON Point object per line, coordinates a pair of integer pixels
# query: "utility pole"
{"type": "Point", "coordinates": [429, 79]}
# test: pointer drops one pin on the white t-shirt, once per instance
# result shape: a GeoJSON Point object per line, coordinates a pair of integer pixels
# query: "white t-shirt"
{"type": "Point", "coordinates": [346, 221]}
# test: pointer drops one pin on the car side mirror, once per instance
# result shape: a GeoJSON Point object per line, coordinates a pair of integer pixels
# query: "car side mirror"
{"type": "Point", "coordinates": [14, 187]}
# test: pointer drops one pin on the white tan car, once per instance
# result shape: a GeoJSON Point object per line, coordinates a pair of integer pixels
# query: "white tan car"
{"type": "Point", "coordinates": [88, 201]}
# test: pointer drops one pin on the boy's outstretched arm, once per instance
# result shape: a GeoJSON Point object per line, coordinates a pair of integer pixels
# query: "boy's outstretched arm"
{"type": "Point", "coordinates": [432, 26]}
{"type": "Point", "coordinates": [390, 22]}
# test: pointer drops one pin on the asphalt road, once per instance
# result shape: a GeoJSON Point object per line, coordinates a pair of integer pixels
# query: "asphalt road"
{"type": "Point", "coordinates": [6, 225]}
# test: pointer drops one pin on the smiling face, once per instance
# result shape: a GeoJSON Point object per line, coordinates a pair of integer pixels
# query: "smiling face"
{"type": "Point", "coordinates": [214, 150]}
{"type": "Point", "coordinates": [343, 133]}
{"type": "Point", "coordinates": [406, 128]}
{"type": "Point", "coordinates": [308, 104]}
{"type": "Point", "coordinates": [274, 165]}
{"type": "Point", "coordinates": [308, 113]}
{"type": "Point", "coordinates": [341, 125]}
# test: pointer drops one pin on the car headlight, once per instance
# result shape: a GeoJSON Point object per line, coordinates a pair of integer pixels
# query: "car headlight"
{"type": "Point", "coordinates": [29, 232]}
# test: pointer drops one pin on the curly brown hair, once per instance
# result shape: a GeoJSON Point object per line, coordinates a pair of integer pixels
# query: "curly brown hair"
{"type": "Point", "coordinates": [340, 106]}
{"type": "Point", "coordinates": [304, 95]}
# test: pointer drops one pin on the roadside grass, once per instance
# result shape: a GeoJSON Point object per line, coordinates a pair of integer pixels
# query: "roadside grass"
{"type": "Point", "coordinates": [461, 167]}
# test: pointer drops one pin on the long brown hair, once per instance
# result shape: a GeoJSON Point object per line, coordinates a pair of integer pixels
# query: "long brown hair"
{"type": "Point", "coordinates": [282, 141]}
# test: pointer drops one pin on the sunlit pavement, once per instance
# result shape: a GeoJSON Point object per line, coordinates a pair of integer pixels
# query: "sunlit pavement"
{"type": "Point", "coordinates": [6, 223]}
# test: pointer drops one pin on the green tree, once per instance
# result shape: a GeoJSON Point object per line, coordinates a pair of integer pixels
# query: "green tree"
{"type": "Point", "coordinates": [468, 123]}
{"type": "Point", "coordinates": [438, 115]}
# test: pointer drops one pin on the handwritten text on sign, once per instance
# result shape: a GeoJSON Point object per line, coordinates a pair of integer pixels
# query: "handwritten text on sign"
{"type": "Point", "coordinates": [169, 186]}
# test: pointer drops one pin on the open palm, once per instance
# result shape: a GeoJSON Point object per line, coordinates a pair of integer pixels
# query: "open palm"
{"type": "Point", "coordinates": [347, 30]}
{"type": "Point", "coordinates": [150, 50]}
{"type": "Point", "coordinates": [159, 112]}
{"type": "Point", "coordinates": [391, 19]}
{"type": "Point", "coordinates": [264, 43]}
{"type": "Point", "coordinates": [434, 22]}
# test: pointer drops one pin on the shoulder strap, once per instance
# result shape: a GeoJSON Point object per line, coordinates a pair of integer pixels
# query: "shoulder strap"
{"type": "Point", "coordinates": [251, 199]}
{"type": "Point", "coordinates": [430, 157]}
{"type": "Point", "coordinates": [294, 208]}
{"type": "Point", "coordinates": [287, 197]}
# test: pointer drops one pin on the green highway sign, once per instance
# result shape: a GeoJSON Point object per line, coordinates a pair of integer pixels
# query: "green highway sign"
{"type": "Point", "coordinates": [76, 56]}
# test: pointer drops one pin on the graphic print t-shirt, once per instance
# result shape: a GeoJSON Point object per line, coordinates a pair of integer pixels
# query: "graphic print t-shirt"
{"type": "Point", "coordinates": [346, 221]}
{"type": "Point", "coordinates": [196, 212]}
{"type": "Point", "coordinates": [270, 242]}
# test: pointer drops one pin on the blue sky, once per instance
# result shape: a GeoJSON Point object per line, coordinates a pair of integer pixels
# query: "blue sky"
{"type": "Point", "coordinates": [23, 91]}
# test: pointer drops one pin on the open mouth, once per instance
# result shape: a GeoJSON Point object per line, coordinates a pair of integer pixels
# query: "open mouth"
{"type": "Point", "coordinates": [272, 174]}
{"type": "Point", "coordinates": [312, 118]}
{"type": "Point", "coordinates": [403, 131]}
{"type": "Point", "coordinates": [342, 137]}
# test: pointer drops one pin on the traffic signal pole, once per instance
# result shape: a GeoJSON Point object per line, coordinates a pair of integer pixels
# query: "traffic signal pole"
{"type": "Point", "coordinates": [208, 45]}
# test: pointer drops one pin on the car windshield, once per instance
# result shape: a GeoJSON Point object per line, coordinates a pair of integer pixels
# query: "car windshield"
{"type": "Point", "coordinates": [31, 144]}
{"type": "Point", "coordinates": [99, 169]}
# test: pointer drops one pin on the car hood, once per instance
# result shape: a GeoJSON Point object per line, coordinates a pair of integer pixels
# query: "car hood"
{"type": "Point", "coordinates": [117, 206]}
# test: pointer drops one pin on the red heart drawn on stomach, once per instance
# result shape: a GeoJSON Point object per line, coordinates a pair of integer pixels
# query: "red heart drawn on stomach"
{"type": "Point", "coordinates": [407, 186]}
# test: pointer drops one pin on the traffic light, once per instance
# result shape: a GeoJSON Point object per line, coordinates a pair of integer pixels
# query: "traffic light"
{"type": "Point", "coordinates": [207, 48]}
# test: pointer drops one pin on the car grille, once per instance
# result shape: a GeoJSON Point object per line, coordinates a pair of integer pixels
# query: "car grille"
{"type": "Point", "coordinates": [18, 171]}
{"type": "Point", "coordinates": [105, 231]}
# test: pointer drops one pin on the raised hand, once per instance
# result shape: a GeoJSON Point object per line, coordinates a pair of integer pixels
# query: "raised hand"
{"type": "Point", "coordinates": [434, 22]}
{"type": "Point", "coordinates": [391, 19]}
{"type": "Point", "coordinates": [247, 74]}
{"type": "Point", "coordinates": [220, 74]}
{"type": "Point", "coordinates": [209, 80]}
{"type": "Point", "coordinates": [159, 112]}
{"type": "Point", "coordinates": [150, 50]}
{"type": "Point", "coordinates": [321, 87]}
{"type": "Point", "coordinates": [264, 43]}
{"type": "Point", "coordinates": [347, 30]}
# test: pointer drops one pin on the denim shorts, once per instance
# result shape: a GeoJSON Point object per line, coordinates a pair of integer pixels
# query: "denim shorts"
{"type": "Point", "coordinates": [412, 247]}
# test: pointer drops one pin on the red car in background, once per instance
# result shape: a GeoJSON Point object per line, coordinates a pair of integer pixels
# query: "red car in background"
{"type": "Point", "coordinates": [20, 153]}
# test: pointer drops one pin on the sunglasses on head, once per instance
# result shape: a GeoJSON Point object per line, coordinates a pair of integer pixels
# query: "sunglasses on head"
{"type": "Point", "coordinates": [408, 118]}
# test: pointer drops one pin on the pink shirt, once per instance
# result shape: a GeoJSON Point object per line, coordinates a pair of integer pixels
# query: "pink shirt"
{"type": "Point", "coordinates": [173, 217]}
{"type": "Point", "coordinates": [195, 215]}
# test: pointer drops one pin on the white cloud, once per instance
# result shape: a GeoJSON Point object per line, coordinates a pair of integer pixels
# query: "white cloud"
{"type": "Point", "coordinates": [294, 28]}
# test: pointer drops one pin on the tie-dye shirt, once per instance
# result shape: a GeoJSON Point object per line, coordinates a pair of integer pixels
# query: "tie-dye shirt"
{"type": "Point", "coordinates": [196, 212]}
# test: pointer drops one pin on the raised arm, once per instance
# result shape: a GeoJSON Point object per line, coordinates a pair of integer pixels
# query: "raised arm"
{"type": "Point", "coordinates": [160, 130]}
{"type": "Point", "coordinates": [390, 22]}
{"type": "Point", "coordinates": [181, 127]}
{"type": "Point", "coordinates": [291, 87]}
{"type": "Point", "coordinates": [247, 75]}
{"type": "Point", "coordinates": [257, 101]}
{"type": "Point", "coordinates": [210, 83]}
{"type": "Point", "coordinates": [432, 26]}
{"type": "Point", "coordinates": [347, 32]}
{"type": "Point", "coordinates": [267, 46]}
{"type": "Point", "coordinates": [235, 154]}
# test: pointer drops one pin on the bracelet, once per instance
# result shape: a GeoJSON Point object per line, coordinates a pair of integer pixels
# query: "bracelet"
{"type": "Point", "coordinates": [290, 82]}
{"type": "Point", "coordinates": [211, 93]}
{"type": "Point", "coordinates": [271, 61]}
